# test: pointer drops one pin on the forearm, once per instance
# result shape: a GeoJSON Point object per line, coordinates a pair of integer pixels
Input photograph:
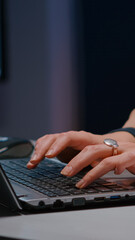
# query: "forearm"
{"type": "Point", "coordinates": [131, 120]}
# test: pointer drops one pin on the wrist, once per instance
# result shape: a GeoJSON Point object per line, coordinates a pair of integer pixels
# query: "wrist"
{"type": "Point", "coordinates": [122, 136]}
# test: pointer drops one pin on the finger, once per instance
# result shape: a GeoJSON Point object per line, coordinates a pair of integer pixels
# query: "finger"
{"type": "Point", "coordinates": [31, 166]}
{"type": "Point", "coordinates": [73, 139]}
{"type": "Point", "coordinates": [42, 146]}
{"type": "Point", "coordinates": [52, 145]}
{"type": "Point", "coordinates": [131, 169]}
{"type": "Point", "coordinates": [119, 162]}
{"type": "Point", "coordinates": [65, 140]}
{"type": "Point", "coordinates": [131, 162]}
{"type": "Point", "coordinates": [126, 161]}
{"type": "Point", "coordinates": [95, 163]}
{"type": "Point", "coordinates": [101, 169]}
{"type": "Point", "coordinates": [86, 157]}
{"type": "Point", "coordinates": [61, 143]}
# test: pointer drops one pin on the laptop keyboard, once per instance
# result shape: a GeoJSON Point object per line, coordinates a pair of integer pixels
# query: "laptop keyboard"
{"type": "Point", "coordinates": [46, 179]}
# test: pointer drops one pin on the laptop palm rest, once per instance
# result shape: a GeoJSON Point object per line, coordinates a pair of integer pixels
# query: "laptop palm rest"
{"type": "Point", "coordinates": [25, 193]}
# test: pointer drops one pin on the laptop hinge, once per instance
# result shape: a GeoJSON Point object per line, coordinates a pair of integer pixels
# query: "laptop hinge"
{"type": "Point", "coordinates": [8, 197]}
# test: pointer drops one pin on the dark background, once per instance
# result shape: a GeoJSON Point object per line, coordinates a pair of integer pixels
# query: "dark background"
{"type": "Point", "coordinates": [69, 64]}
{"type": "Point", "coordinates": [108, 30]}
{"type": "Point", "coordinates": [0, 39]}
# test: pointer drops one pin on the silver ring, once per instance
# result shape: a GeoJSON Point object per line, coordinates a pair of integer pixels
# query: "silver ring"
{"type": "Point", "coordinates": [112, 143]}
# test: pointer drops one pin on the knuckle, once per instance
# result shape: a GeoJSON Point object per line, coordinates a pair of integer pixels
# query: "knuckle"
{"type": "Point", "coordinates": [64, 136]}
{"type": "Point", "coordinates": [86, 149]}
{"type": "Point", "coordinates": [107, 163]}
{"type": "Point", "coordinates": [70, 132]}
{"type": "Point", "coordinates": [40, 140]}
{"type": "Point", "coordinates": [82, 132]}
{"type": "Point", "coordinates": [131, 155]}
{"type": "Point", "coordinates": [92, 148]}
{"type": "Point", "coordinates": [46, 136]}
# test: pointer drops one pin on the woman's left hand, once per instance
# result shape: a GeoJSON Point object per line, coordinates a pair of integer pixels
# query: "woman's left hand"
{"type": "Point", "coordinates": [100, 157]}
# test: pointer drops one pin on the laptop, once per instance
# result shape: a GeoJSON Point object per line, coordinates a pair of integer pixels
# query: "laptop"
{"type": "Point", "coordinates": [46, 189]}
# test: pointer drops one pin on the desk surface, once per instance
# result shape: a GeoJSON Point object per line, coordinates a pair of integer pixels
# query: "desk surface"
{"type": "Point", "coordinates": [99, 224]}
{"type": "Point", "coordinates": [96, 224]}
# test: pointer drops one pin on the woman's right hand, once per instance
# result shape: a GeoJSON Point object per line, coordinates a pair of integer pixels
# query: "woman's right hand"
{"type": "Point", "coordinates": [63, 145]}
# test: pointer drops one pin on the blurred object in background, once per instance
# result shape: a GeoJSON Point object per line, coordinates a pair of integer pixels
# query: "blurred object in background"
{"type": "Point", "coordinates": [39, 94]}
{"type": "Point", "coordinates": [69, 64]}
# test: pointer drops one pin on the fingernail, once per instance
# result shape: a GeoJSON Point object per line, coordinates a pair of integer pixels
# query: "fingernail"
{"type": "Point", "coordinates": [49, 153]}
{"type": "Point", "coordinates": [30, 165]}
{"type": "Point", "coordinates": [67, 170]}
{"type": "Point", "coordinates": [81, 184]}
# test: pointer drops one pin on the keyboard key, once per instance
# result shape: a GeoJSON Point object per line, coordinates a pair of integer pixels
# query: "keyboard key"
{"type": "Point", "coordinates": [90, 190]}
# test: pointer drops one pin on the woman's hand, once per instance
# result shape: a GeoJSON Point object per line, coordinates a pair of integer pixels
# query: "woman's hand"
{"type": "Point", "coordinates": [63, 145]}
{"type": "Point", "coordinates": [100, 157]}
{"type": "Point", "coordinates": [81, 149]}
